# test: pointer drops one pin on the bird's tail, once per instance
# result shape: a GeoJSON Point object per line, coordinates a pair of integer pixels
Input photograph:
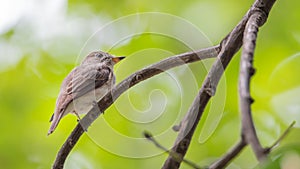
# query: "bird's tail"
{"type": "Point", "coordinates": [54, 122]}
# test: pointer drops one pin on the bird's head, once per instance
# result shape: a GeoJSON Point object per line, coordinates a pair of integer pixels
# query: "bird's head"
{"type": "Point", "coordinates": [102, 57]}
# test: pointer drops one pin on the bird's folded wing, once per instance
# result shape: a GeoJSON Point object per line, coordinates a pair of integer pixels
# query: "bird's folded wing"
{"type": "Point", "coordinates": [87, 79]}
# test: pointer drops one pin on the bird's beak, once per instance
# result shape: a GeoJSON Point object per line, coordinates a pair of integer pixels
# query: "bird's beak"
{"type": "Point", "coordinates": [117, 59]}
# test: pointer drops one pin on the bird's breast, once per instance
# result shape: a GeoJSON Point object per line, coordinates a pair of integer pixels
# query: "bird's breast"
{"type": "Point", "coordinates": [84, 103]}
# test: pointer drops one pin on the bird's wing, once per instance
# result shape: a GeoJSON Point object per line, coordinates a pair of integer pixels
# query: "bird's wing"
{"type": "Point", "coordinates": [87, 79]}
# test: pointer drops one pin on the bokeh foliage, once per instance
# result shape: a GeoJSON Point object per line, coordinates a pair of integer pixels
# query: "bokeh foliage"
{"type": "Point", "coordinates": [39, 50]}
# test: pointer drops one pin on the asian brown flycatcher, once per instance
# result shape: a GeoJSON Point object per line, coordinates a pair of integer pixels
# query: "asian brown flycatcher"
{"type": "Point", "coordinates": [84, 85]}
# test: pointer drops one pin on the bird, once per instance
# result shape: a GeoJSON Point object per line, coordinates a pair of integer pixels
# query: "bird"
{"type": "Point", "coordinates": [84, 85]}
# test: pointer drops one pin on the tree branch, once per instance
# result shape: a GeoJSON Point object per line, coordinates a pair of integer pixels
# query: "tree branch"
{"type": "Point", "coordinates": [225, 51]}
{"type": "Point", "coordinates": [226, 158]}
{"type": "Point", "coordinates": [283, 135]}
{"type": "Point", "coordinates": [229, 46]}
{"type": "Point", "coordinates": [224, 161]}
{"type": "Point", "coordinates": [175, 155]}
{"type": "Point", "coordinates": [246, 72]}
{"type": "Point", "coordinates": [188, 125]}
{"type": "Point", "coordinates": [130, 81]}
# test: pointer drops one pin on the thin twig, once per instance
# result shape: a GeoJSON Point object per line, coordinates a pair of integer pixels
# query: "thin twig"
{"type": "Point", "coordinates": [225, 159]}
{"type": "Point", "coordinates": [175, 155]}
{"type": "Point", "coordinates": [123, 86]}
{"type": "Point", "coordinates": [283, 135]}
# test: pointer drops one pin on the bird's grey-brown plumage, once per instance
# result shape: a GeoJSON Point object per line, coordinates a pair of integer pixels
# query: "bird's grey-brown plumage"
{"type": "Point", "coordinates": [84, 85]}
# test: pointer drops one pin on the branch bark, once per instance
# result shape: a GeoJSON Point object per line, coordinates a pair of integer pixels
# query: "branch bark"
{"type": "Point", "coordinates": [229, 46]}
{"type": "Point", "coordinates": [170, 152]}
{"type": "Point", "coordinates": [246, 72]}
{"type": "Point", "coordinates": [127, 83]}
{"type": "Point", "coordinates": [224, 161]}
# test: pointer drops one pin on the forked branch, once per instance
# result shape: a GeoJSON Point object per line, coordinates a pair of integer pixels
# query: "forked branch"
{"type": "Point", "coordinates": [229, 46]}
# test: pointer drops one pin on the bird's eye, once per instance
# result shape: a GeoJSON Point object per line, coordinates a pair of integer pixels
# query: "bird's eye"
{"type": "Point", "coordinates": [99, 55]}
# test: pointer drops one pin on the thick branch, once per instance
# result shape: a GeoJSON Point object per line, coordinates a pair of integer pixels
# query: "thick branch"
{"type": "Point", "coordinates": [246, 71]}
{"type": "Point", "coordinates": [229, 46]}
{"type": "Point", "coordinates": [130, 81]}
{"type": "Point", "coordinates": [188, 125]}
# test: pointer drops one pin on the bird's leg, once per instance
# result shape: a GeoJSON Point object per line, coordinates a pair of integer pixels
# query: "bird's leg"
{"type": "Point", "coordinates": [78, 117]}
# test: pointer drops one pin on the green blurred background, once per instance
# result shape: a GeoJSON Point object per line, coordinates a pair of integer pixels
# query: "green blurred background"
{"type": "Point", "coordinates": [41, 41]}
